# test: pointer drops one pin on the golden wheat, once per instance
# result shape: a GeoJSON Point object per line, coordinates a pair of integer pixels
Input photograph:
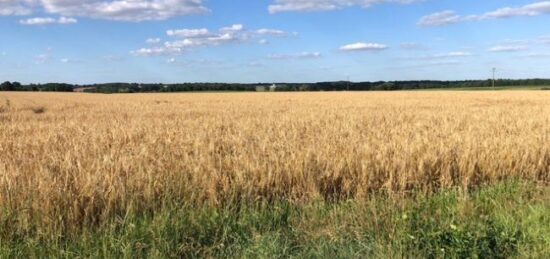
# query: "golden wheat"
{"type": "Point", "coordinates": [74, 160]}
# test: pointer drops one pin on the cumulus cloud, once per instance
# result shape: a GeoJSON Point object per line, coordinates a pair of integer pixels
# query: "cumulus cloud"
{"type": "Point", "coordinates": [360, 46]}
{"type": "Point", "coordinates": [118, 10]}
{"type": "Point", "coordinates": [184, 39]}
{"type": "Point", "coordinates": [16, 7]}
{"type": "Point", "coordinates": [301, 55]}
{"type": "Point", "coordinates": [188, 33]}
{"type": "Point", "coordinates": [233, 28]}
{"type": "Point", "coordinates": [47, 21]}
{"type": "Point", "coordinates": [279, 6]}
{"type": "Point", "coordinates": [450, 17]}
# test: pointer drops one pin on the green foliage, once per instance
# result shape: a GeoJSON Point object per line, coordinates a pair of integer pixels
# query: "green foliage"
{"type": "Point", "coordinates": [7, 86]}
{"type": "Point", "coordinates": [509, 220]}
{"type": "Point", "coordinates": [51, 87]}
{"type": "Point", "coordinates": [285, 87]}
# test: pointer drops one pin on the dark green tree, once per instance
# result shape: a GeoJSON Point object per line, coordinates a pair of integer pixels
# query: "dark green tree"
{"type": "Point", "coordinates": [7, 86]}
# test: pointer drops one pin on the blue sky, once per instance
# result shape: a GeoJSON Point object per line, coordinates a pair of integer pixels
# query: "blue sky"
{"type": "Point", "coordinates": [95, 41]}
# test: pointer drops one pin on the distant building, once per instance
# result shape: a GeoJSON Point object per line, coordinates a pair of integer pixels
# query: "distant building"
{"type": "Point", "coordinates": [83, 89]}
{"type": "Point", "coordinates": [265, 88]}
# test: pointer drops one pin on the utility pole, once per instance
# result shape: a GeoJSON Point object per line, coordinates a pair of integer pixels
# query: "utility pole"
{"type": "Point", "coordinates": [494, 72]}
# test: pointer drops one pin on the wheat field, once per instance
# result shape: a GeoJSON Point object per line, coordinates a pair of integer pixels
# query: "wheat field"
{"type": "Point", "coordinates": [70, 161]}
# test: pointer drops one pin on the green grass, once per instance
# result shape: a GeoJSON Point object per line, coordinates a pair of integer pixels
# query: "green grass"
{"type": "Point", "coordinates": [508, 220]}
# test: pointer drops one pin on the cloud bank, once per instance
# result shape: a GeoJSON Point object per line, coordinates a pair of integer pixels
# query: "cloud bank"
{"type": "Point", "coordinates": [182, 40]}
{"type": "Point", "coordinates": [117, 10]}
{"type": "Point", "coordinates": [449, 17]}
{"type": "Point", "coordinates": [280, 6]}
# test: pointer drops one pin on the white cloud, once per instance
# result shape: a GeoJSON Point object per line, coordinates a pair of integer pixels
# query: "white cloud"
{"type": "Point", "coordinates": [544, 39]}
{"type": "Point", "coordinates": [412, 46]}
{"type": "Point", "coordinates": [514, 42]}
{"type": "Point", "coordinates": [47, 21]}
{"type": "Point", "coordinates": [188, 33]}
{"type": "Point", "coordinates": [450, 17]}
{"type": "Point", "coordinates": [360, 46]}
{"type": "Point", "coordinates": [159, 51]}
{"type": "Point", "coordinates": [430, 63]}
{"type": "Point", "coordinates": [275, 33]}
{"type": "Point", "coordinates": [534, 9]}
{"type": "Point", "coordinates": [66, 20]}
{"type": "Point", "coordinates": [42, 58]}
{"type": "Point", "coordinates": [15, 7]}
{"type": "Point", "coordinates": [508, 48]}
{"type": "Point", "coordinates": [118, 10]}
{"type": "Point", "coordinates": [439, 63]}
{"type": "Point", "coordinates": [192, 38]}
{"type": "Point", "coordinates": [279, 6]}
{"type": "Point", "coordinates": [153, 41]}
{"type": "Point", "coordinates": [301, 55]}
{"type": "Point", "coordinates": [440, 18]}
{"type": "Point", "coordinates": [536, 55]}
{"type": "Point", "coordinates": [233, 28]}
{"type": "Point", "coordinates": [113, 58]}
{"type": "Point", "coordinates": [254, 64]}
{"type": "Point", "coordinates": [455, 54]}
{"type": "Point", "coordinates": [38, 21]}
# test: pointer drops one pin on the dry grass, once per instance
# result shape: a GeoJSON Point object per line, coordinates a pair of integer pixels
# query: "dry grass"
{"type": "Point", "coordinates": [93, 157]}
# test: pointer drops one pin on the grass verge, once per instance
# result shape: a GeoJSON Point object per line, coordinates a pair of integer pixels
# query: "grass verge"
{"type": "Point", "coordinates": [503, 221]}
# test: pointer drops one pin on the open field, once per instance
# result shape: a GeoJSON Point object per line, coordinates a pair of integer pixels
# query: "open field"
{"type": "Point", "coordinates": [485, 88]}
{"type": "Point", "coordinates": [442, 173]}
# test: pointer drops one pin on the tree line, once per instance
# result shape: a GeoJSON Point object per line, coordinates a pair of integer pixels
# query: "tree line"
{"type": "Point", "coordinates": [50, 87]}
{"type": "Point", "coordinates": [320, 86]}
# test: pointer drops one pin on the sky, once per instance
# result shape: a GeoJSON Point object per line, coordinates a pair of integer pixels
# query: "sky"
{"type": "Point", "coordinates": [249, 41]}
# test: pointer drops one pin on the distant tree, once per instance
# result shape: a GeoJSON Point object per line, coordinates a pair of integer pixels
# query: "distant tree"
{"type": "Point", "coordinates": [17, 86]}
{"type": "Point", "coordinates": [7, 86]}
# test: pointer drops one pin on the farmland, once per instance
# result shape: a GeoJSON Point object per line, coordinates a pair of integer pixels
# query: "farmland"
{"type": "Point", "coordinates": [441, 173]}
